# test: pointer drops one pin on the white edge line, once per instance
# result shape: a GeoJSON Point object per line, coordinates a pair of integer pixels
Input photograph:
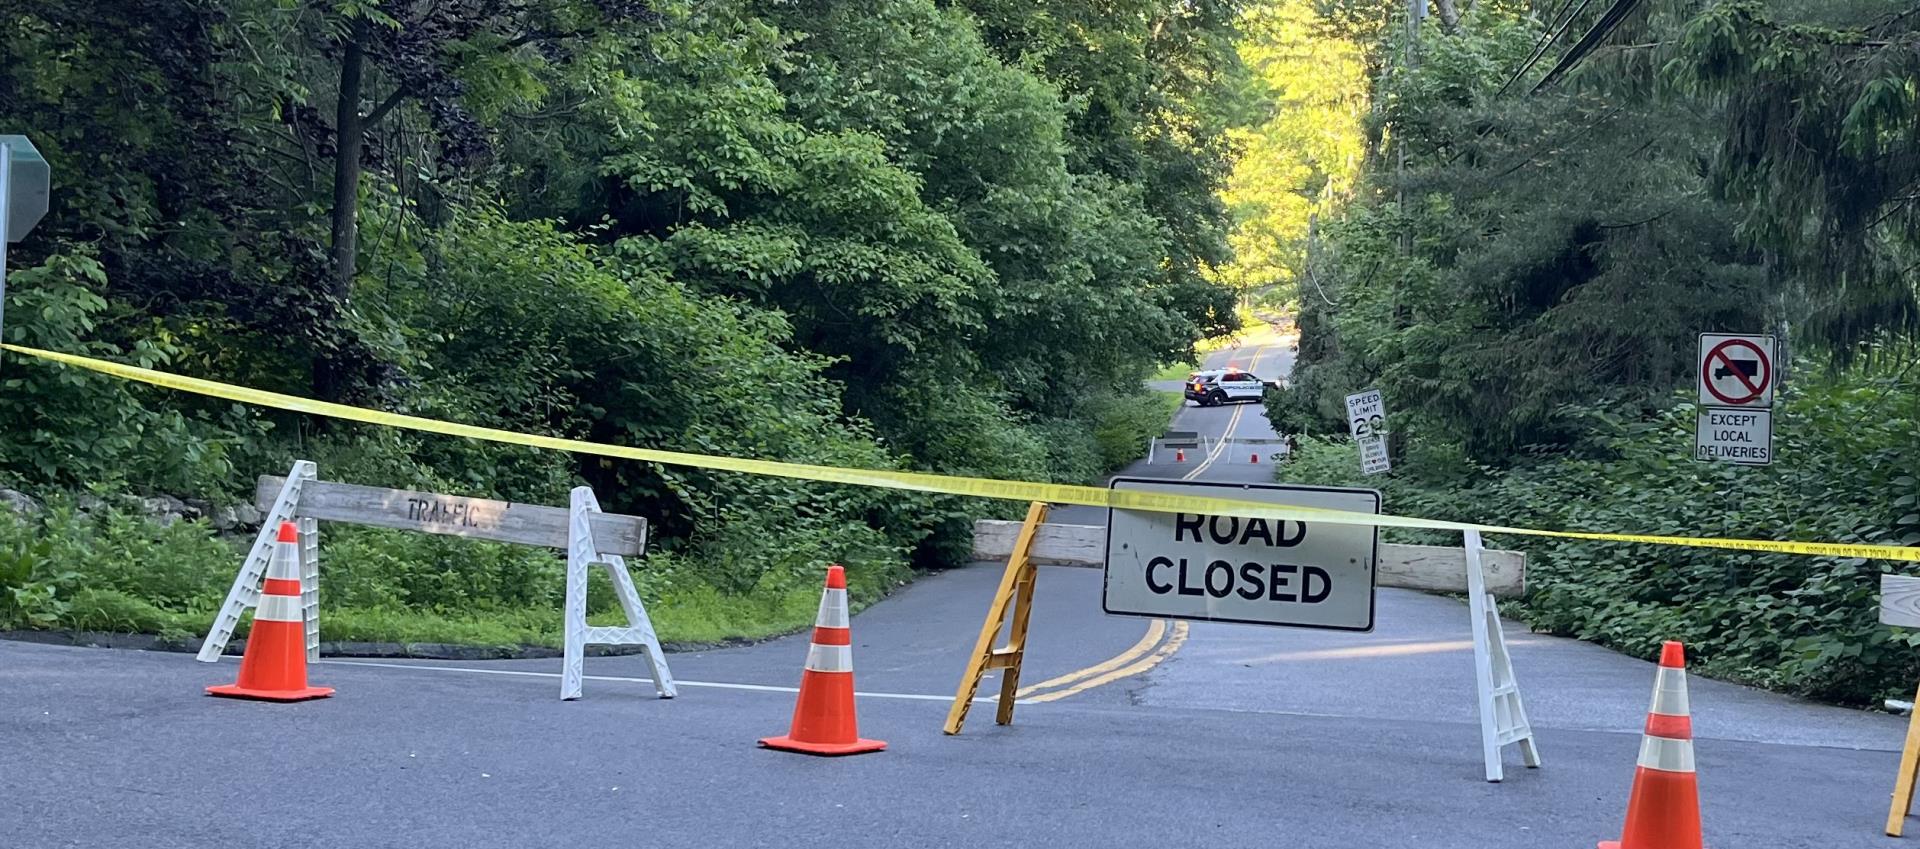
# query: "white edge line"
{"type": "Point", "coordinates": [718, 685]}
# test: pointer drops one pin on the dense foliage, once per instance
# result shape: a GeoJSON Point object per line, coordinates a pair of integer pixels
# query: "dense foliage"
{"type": "Point", "coordinates": [1524, 236]}
{"type": "Point", "coordinates": [1301, 155]}
{"type": "Point", "coordinates": [896, 234]}
{"type": "Point", "coordinates": [1543, 225]}
{"type": "Point", "coordinates": [1801, 624]}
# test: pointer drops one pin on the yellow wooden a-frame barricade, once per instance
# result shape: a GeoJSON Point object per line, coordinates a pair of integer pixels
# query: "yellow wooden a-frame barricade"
{"type": "Point", "coordinates": [1900, 607]}
{"type": "Point", "coordinates": [1013, 598]}
{"type": "Point", "coordinates": [1903, 782]}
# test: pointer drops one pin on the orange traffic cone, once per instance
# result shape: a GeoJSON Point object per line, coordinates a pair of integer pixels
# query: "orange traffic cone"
{"type": "Point", "coordinates": [823, 717]}
{"type": "Point", "coordinates": [1663, 811]}
{"type": "Point", "coordinates": [1256, 459]}
{"type": "Point", "coordinates": [275, 665]}
{"type": "Point", "coordinates": [1179, 456]}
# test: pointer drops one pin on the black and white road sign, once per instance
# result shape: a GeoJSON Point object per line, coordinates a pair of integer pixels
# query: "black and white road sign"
{"type": "Point", "coordinates": [1734, 435]}
{"type": "Point", "coordinates": [1373, 455]}
{"type": "Point", "coordinates": [1367, 420]}
{"type": "Point", "coordinates": [1736, 370]}
{"type": "Point", "coordinates": [1232, 569]}
{"type": "Point", "coordinates": [1366, 414]}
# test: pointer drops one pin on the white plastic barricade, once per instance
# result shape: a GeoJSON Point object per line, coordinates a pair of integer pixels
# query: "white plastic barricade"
{"type": "Point", "coordinates": [590, 538]}
{"type": "Point", "coordinates": [1180, 440]}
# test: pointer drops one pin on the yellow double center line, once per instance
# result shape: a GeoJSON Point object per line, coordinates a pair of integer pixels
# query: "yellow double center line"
{"type": "Point", "coordinates": [1163, 637]}
{"type": "Point", "coordinates": [1144, 655]}
{"type": "Point", "coordinates": [1218, 447]}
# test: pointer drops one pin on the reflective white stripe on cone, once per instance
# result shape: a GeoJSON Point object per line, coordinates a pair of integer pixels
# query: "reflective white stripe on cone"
{"type": "Point", "coordinates": [830, 658]}
{"type": "Point", "coordinates": [1666, 755]}
{"type": "Point", "coordinates": [833, 609]}
{"type": "Point", "coordinates": [1670, 693]}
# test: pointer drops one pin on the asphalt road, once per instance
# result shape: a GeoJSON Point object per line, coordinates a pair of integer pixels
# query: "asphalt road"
{"type": "Point", "coordinates": [1135, 733]}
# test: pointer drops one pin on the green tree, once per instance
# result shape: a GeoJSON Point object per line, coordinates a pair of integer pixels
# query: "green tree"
{"type": "Point", "coordinates": [1821, 149]}
{"type": "Point", "coordinates": [1537, 250]}
{"type": "Point", "coordinates": [1301, 159]}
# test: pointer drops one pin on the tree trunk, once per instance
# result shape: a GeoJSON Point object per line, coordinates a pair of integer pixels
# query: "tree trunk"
{"type": "Point", "coordinates": [349, 137]}
{"type": "Point", "coordinates": [1449, 15]}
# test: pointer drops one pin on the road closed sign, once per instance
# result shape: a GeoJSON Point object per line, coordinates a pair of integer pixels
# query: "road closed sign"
{"type": "Point", "coordinates": [1233, 569]}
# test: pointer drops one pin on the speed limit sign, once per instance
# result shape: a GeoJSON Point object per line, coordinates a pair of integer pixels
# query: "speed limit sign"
{"type": "Point", "coordinates": [1367, 414]}
{"type": "Point", "coordinates": [1367, 420]}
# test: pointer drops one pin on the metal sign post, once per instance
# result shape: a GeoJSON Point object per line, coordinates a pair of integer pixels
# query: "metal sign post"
{"type": "Point", "coordinates": [6, 196]}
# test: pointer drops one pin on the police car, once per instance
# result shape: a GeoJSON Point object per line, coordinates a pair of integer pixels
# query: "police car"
{"type": "Point", "coordinates": [1214, 387]}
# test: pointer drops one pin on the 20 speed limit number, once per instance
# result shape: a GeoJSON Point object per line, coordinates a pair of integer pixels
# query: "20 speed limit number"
{"type": "Point", "coordinates": [1235, 569]}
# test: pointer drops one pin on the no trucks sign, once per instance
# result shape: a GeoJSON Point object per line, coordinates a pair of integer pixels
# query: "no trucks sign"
{"type": "Point", "coordinates": [1738, 376]}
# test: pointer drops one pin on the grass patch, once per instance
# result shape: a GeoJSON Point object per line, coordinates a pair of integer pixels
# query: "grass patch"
{"type": "Point", "coordinates": [701, 615]}
{"type": "Point", "coordinates": [121, 573]}
{"type": "Point", "coordinates": [1177, 371]}
{"type": "Point", "coordinates": [1170, 403]}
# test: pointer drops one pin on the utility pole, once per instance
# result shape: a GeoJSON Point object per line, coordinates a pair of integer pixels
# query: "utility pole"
{"type": "Point", "coordinates": [1416, 13]}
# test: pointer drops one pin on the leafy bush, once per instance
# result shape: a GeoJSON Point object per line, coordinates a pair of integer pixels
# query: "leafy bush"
{"type": "Point", "coordinates": [1122, 424]}
{"type": "Point", "coordinates": [71, 427]}
{"type": "Point", "coordinates": [70, 566]}
{"type": "Point", "coordinates": [1845, 471]}
{"type": "Point", "coordinates": [381, 569]}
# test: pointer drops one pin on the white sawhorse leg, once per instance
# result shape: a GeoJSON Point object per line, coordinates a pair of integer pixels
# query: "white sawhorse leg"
{"type": "Point", "coordinates": [1503, 716]}
{"type": "Point", "coordinates": [582, 556]}
{"type": "Point", "coordinates": [245, 592]}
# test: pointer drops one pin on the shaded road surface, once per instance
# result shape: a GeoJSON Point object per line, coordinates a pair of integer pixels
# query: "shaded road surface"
{"type": "Point", "coordinates": [1140, 734]}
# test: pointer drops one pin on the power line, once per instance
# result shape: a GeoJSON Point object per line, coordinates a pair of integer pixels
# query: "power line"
{"type": "Point", "coordinates": [1584, 47]}
{"type": "Point", "coordinates": [1547, 38]}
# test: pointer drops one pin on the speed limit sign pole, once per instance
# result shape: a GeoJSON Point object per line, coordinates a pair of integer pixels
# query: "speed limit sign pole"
{"type": "Point", "coordinates": [6, 230]}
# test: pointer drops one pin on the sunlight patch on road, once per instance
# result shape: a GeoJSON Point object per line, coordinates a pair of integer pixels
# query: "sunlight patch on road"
{"type": "Point", "coordinates": [1155, 630]}
{"type": "Point", "coordinates": [1364, 652]}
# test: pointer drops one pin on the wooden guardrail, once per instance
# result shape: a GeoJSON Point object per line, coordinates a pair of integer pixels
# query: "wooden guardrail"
{"type": "Point", "coordinates": [1900, 603]}
{"type": "Point", "coordinates": [434, 513]}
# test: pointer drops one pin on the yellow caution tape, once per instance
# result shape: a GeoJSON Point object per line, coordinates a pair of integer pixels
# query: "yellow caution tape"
{"type": "Point", "coordinates": [1051, 493]}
